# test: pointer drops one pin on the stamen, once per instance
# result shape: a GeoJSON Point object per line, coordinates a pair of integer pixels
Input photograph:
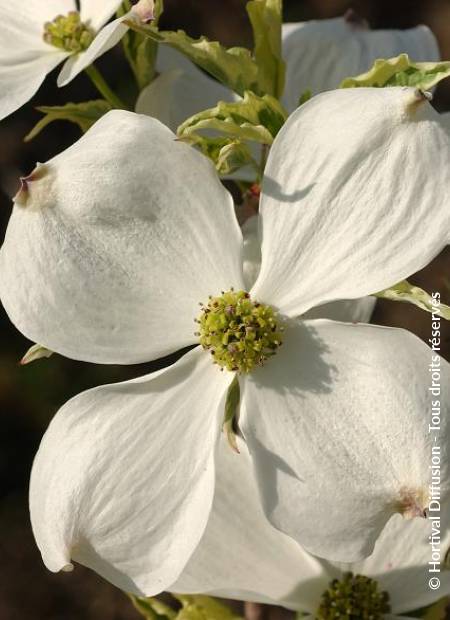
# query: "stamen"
{"type": "Point", "coordinates": [354, 597]}
{"type": "Point", "coordinates": [239, 333]}
{"type": "Point", "coordinates": [69, 33]}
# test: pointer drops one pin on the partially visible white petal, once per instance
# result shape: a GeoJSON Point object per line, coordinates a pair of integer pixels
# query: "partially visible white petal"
{"type": "Point", "coordinates": [25, 59]}
{"type": "Point", "coordinates": [157, 99]}
{"type": "Point", "coordinates": [352, 198]}
{"type": "Point", "coordinates": [22, 29]}
{"type": "Point", "coordinates": [241, 555]}
{"type": "Point", "coordinates": [213, 91]}
{"type": "Point", "coordinates": [123, 481]}
{"type": "Point", "coordinates": [400, 560]}
{"type": "Point", "coordinates": [345, 310]}
{"type": "Point", "coordinates": [98, 12]}
{"type": "Point", "coordinates": [22, 75]}
{"type": "Point", "coordinates": [113, 244]}
{"type": "Point", "coordinates": [106, 39]}
{"type": "Point", "coordinates": [179, 92]}
{"type": "Point", "coordinates": [337, 426]}
{"type": "Point", "coordinates": [320, 54]}
{"type": "Point", "coordinates": [419, 43]}
{"type": "Point", "coordinates": [169, 59]}
{"type": "Point", "coordinates": [30, 15]}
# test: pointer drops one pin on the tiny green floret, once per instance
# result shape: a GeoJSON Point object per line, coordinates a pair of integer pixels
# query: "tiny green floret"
{"type": "Point", "coordinates": [239, 332]}
{"type": "Point", "coordinates": [354, 597]}
{"type": "Point", "coordinates": [69, 33]}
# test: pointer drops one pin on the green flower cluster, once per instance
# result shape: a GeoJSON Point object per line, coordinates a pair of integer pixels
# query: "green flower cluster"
{"type": "Point", "coordinates": [68, 32]}
{"type": "Point", "coordinates": [240, 333]}
{"type": "Point", "coordinates": [354, 597]}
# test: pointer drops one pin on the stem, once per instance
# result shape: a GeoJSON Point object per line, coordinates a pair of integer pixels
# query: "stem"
{"type": "Point", "coordinates": [103, 88]}
{"type": "Point", "coordinates": [262, 163]}
{"type": "Point", "coordinates": [254, 611]}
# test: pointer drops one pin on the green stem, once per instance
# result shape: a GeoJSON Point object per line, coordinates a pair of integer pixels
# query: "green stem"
{"type": "Point", "coordinates": [152, 608]}
{"type": "Point", "coordinates": [262, 163]}
{"type": "Point", "coordinates": [103, 88]}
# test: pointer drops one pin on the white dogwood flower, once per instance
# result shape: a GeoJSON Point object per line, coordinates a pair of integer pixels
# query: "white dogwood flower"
{"type": "Point", "coordinates": [111, 247]}
{"type": "Point", "coordinates": [38, 35]}
{"type": "Point", "coordinates": [319, 54]}
{"type": "Point", "coordinates": [241, 556]}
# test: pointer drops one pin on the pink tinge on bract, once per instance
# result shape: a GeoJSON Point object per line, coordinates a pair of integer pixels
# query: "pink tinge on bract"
{"type": "Point", "coordinates": [23, 194]}
{"type": "Point", "coordinates": [355, 20]}
{"type": "Point", "coordinates": [144, 10]}
{"type": "Point", "coordinates": [416, 99]}
{"type": "Point", "coordinates": [413, 503]}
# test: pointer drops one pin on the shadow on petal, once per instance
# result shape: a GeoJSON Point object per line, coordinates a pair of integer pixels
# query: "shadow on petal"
{"type": "Point", "coordinates": [273, 189]}
{"type": "Point", "coordinates": [85, 554]}
{"type": "Point", "coordinates": [300, 366]}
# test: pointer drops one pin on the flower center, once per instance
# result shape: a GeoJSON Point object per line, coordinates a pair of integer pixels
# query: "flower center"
{"type": "Point", "coordinates": [240, 333]}
{"type": "Point", "coordinates": [68, 33]}
{"type": "Point", "coordinates": [354, 597]}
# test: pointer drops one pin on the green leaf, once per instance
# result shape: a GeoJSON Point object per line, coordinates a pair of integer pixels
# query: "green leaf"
{"type": "Point", "coordinates": [235, 67]}
{"type": "Point", "coordinates": [266, 19]}
{"type": "Point", "coordinates": [157, 11]}
{"type": "Point", "coordinates": [199, 607]}
{"type": "Point", "coordinates": [401, 71]}
{"type": "Point", "coordinates": [437, 611]}
{"type": "Point", "coordinates": [304, 97]}
{"type": "Point", "coordinates": [82, 114]}
{"type": "Point", "coordinates": [244, 131]}
{"type": "Point", "coordinates": [406, 292]}
{"type": "Point", "coordinates": [222, 132]}
{"type": "Point", "coordinates": [253, 118]}
{"type": "Point", "coordinates": [231, 412]}
{"type": "Point", "coordinates": [152, 609]}
{"type": "Point", "coordinates": [145, 61]}
{"type": "Point", "coordinates": [227, 154]}
{"type": "Point", "coordinates": [233, 156]}
{"type": "Point", "coordinates": [193, 607]}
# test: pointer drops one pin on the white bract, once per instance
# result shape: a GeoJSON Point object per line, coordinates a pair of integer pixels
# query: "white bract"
{"type": "Point", "coordinates": [318, 55]}
{"type": "Point", "coordinates": [111, 247]}
{"type": "Point", "coordinates": [348, 310]}
{"type": "Point", "coordinates": [321, 53]}
{"type": "Point", "coordinates": [25, 58]}
{"type": "Point", "coordinates": [241, 556]}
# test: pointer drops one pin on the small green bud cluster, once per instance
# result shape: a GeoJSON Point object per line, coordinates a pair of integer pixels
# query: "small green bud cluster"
{"type": "Point", "coordinates": [240, 333]}
{"type": "Point", "coordinates": [354, 597]}
{"type": "Point", "coordinates": [68, 33]}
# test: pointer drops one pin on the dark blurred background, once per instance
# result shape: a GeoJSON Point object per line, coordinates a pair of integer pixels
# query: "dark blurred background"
{"type": "Point", "coordinates": [29, 396]}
